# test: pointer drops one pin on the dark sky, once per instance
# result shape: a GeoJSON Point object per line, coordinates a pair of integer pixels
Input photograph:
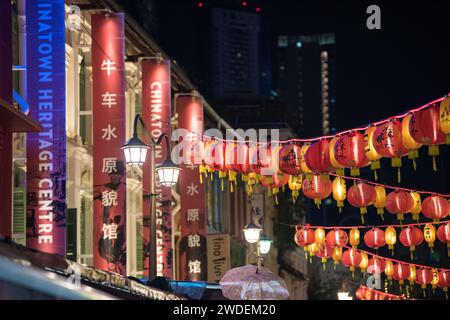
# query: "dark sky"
{"type": "Point", "coordinates": [379, 72]}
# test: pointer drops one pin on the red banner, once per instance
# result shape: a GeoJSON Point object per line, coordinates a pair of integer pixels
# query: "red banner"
{"type": "Point", "coordinates": [108, 86]}
{"type": "Point", "coordinates": [156, 115]}
{"type": "Point", "coordinates": [192, 196]}
{"type": "Point", "coordinates": [6, 137]}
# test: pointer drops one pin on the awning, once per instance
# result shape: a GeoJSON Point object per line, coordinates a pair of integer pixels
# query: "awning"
{"type": "Point", "coordinates": [14, 120]}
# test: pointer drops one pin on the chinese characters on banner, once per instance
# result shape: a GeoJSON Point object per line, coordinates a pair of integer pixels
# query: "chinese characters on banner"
{"type": "Point", "coordinates": [192, 197]}
{"type": "Point", "coordinates": [46, 150]}
{"type": "Point", "coordinates": [156, 101]}
{"type": "Point", "coordinates": [108, 87]}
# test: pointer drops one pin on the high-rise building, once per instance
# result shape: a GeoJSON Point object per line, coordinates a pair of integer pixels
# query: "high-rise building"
{"type": "Point", "coordinates": [305, 82]}
{"type": "Point", "coordinates": [235, 54]}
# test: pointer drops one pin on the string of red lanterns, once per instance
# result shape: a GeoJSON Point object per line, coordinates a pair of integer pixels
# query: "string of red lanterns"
{"type": "Point", "coordinates": [366, 293]}
{"type": "Point", "coordinates": [393, 138]}
{"type": "Point", "coordinates": [376, 236]}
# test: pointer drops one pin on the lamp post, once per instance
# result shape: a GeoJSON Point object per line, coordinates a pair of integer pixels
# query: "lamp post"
{"type": "Point", "coordinates": [252, 234]}
{"type": "Point", "coordinates": [135, 151]}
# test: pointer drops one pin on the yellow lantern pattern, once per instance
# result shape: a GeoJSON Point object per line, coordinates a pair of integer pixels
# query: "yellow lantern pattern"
{"type": "Point", "coordinates": [412, 275]}
{"type": "Point", "coordinates": [444, 118]}
{"type": "Point", "coordinates": [408, 141]}
{"type": "Point", "coordinates": [354, 238]}
{"type": "Point", "coordinates": [319, 237]}
{"type": "Point", "coordinates": [340, 170]}
{"type": "Point", "coordinates": [295, 184]}
{"type": "Point", "coordinates": [417, 207]}
{"type": "Point", "coordinates": [339, 192]}
{"type": "Point", "coordinates": [364, 262]}
{"type": "Point", "coordinates": [303, 165]}
{"type": "Point", "coordinates": [429, 234]}
{"type": "Point", "coordinates": [337, 255]}
{"type": "Point", "coordinates": [435, 278]}
{"type": "Point", "coordinates": [380, 200]}
{"type": "Point", "coordinates": [390, 238]}
{"type": "Point", "coordinates": [370, 151]}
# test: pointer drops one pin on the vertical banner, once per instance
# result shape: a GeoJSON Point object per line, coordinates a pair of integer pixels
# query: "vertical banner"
{"type": "Point", "coordinates": [156, 113]}
{"type": "Point", "coordinates": [5, 136]}
{"type": "Point", "coordinates": [108, 87]}
{"type": "Point", "coordinates": [218, 256]}
{"type": "Point", "coordinates": [192, 196]}
{"type": "Point", "coordinates": [46, 150]}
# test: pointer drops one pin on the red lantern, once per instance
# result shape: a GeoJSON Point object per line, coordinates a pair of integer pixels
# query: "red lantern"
{"type": "Point", "coordinates": [304, 237]}
{"type": "Point", "coordinates": [444, 280]}
{"type": "Point", "coordinates": [351, 258]}
{"type": "Point", "coordinates": [317, 157]}
{"type": "Point", "coordinates": [241, 155]}
{"type": "Point", "coordinates": [387, 141]}
{"type": "Point", "coordinates": [425, 128]}
{"type": "Point", "coordinates": [279, 180]}
{"type": "Point", "coordinates": [399, 202]}
{"type": "Point", "coordinates": [443, 234]}
{"type": "Point", "coordinates": [337, 238]}
{"type": "Point", "coordinates": [360, 293]}
{"type": "Point", "coordinates": [349, 151]}
{"type": "Point", "coordinates": [361, 195]}
{"type": "Point", "coordinates": [411, 237]}
{"type": "Point", "coordinates": [376, 266]}
{"type": "Point", "coordinates": [259, 158]}
{"type": "Point", "coordinates": [374, 238]}
{"type": "Point", "coordinates": [424, 277]}
{"type": "Point", "coordinates": [401, 272]}
{"type": "Point", "coordinates": [325, 253]}
{"type": "Point", "coordinates": [435, 207]}
{"type": "Point", "coordinates": [318, 187]}
{"type": "Point", "coordinates": [215, 155]}
{"type": "Point", "coordinates": [290, 159]}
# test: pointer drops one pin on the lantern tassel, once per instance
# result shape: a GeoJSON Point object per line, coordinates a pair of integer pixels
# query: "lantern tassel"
{"type": "Point", "coordinates": [340, 171]}
{"type": "Point", "coordinates": [354, 172]}
{"type": "Point", "coordinates": [433, 151]}
{"type": "Point", "coordinates": [317, 202]}
{"type": "Point", "coordinates": [324, 266]}
{"type": "Point", "coordinates": [362, 218]}
{"type": "Point", "coordinates": [413, 155]}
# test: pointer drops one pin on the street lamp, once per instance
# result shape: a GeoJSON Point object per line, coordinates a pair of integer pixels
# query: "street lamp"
{"type": "Point", "coordinates": [264, 244]}
{"type": "Point", "coordinates": [252, 232]}
{"type": "Point", "coordinates": [135, 151]}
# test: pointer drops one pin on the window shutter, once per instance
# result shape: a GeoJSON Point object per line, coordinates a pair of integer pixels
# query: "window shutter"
{"type": "Point", "coordinates": [19, 216]}
{"type": "Point", "coordinates": [139, 249]}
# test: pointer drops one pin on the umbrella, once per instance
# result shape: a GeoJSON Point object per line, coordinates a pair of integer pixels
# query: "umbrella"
{"type": "Point", "coordinates": [253, 283]}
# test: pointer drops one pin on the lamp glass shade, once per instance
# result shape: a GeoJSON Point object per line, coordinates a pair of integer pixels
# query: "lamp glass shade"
{"type": "Point", "coordinates": [168, 173]}
{"type": "Point", "coordinates": [344, 296]}
{"type": "Point", "coordinates": [252, 232]}
{"type": "Point", "coordinates": [135, 152]}
{"type": "Point", "coordinates": [264, 245]}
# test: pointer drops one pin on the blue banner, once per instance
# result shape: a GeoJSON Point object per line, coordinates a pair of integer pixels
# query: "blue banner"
{"type": "Point", "coordinates": [46, 151]}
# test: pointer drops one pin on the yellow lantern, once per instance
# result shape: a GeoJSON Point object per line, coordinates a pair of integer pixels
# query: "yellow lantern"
{"type": "Point", "coordinates": [417, 207]}
{"type": "Point", "coordinates": [390, 237]}
{"type": "Point", "coordinates": [303, 165]}
{"type": "Point", "coordinates": [339, 192]}
{"type": "Point", "coordinates": [295, 184]}
{"type": "Point", "coordinates": [319, 237]}
{"type": "Point", "coordinates": [380, 200]}
{"type": "Point", "coordinates": [313, 248]}
{"type": "Point", "coordinates": [429, 234]}
{"type": "Point", "coordinates": [337, 255]}
{"type": "Point", "coordinates": [364, 262]}
{"type": "Point", "coordinates": [340, 170]}
{"type": "Point", "coordinates": [389, 269]}
{"type": "Point", "coordinates": [408, 141]}
{"type": "Point", "coordinates": [444, 118]}
{"type": "Point", "coordinates": [370, 151]}
{"type": "Point", "coordinates": [412, 275]}
{"type": "Point", "coordinates": [354, 237]}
